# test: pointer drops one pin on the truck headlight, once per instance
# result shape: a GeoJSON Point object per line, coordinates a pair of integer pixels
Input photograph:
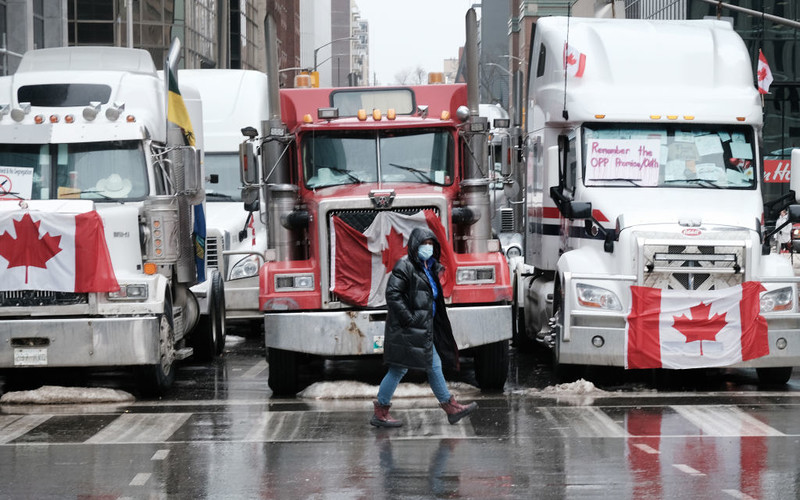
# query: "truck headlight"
{"type": "Point", "coordinates": [513, 251]}
{"type": "Point", "coordinates": [245, 268]}
{"type": "Point", "coordinates": [596, 297]}
{"type": "Point", "coordinates": [475, 275]}
{"type": "Point", "coordinates": [777, 300]}
{"type": "Point", "coordinates": [293, 282]}
{"type": "Point", "coordinates": [130, 291]}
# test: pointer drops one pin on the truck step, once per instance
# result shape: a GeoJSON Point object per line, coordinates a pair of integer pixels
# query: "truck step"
{"type": "Point", "coordinates": [183, 353]}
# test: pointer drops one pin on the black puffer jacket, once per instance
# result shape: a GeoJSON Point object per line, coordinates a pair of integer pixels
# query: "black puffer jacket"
{"type": "Point", "coordinates": [411, 328]}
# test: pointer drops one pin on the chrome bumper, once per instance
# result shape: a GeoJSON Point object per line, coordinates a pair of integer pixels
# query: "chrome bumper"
{"type": "Point", "coordinates": [79, 342]}
{"type": "Point", "coordinates": [347, 333]}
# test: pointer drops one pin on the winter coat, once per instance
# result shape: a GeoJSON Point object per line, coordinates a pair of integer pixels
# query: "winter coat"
{"type": "Point", "coordinates": [411, 327]}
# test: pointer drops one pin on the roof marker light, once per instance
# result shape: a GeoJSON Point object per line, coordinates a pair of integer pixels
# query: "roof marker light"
{"type": "Point", "coordinates": [130, 119]}
{"type": "Point", "coordinates": [362, 115]}
{"type": "Point", "coordinates": [740, 118]}
{"type": "Point", "coordinates": [18, 114]}
{"type": "Point", "coordinates": [672, 117]}
{"type": "Point", "coordinates": [69, 118]}
{"type": "Point", "coordinates": [599, 117]}
{"type": "Point", "coordinates": [391, 114]}
{"type": "Point", "coordinates": [376, 114]}
{"type": "Point", "coordinates": [54, 118]}
{"type": "Point", "coordinates": [688, 117]}
{"type": "Point", "coordinates": [90, 111]}
{"type": "Point", "coordinates": [307, 118]}
{"type": "Point", "coordinates": [655, 117]}
{"type": "Point", "coordinates": [38, 119]}
{"type": "Point", "coordinates": [445, 115]}
{"type": "Point", "coordinates": [115, 110]}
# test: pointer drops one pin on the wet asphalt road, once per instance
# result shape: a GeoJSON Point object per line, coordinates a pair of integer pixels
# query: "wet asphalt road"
{"type": "Point", "coordinates": [220, 434]}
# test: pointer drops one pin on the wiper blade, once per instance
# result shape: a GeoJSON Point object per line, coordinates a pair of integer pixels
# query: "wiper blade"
{"type": "Point", "coordinates": [421, 173]}
{"type": "Point", "coordinates": [342, 171]}
{"type": "Point", "coordinates": [77, 194]}
{"type": "Point", "coordinates": [702, 182]}
{"type": "Point", "coordinates": [221, 196]}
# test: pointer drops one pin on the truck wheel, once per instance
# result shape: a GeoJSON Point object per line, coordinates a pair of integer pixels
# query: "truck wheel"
{"type": "Point", "coordinates": [491, 365]}
{"type": "Point", "coordinates": [521, 340]}
{"type": "Point", "coordinates": [283, 372]}
{"type": "Point", "coordinates": [155, 380]}
{"type": "Point", "coordinates": [774, 376]}
{"type": "Point", "coordinates": [208, 337]}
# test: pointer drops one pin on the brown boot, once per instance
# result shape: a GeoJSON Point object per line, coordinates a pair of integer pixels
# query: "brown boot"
{"type": "Point", "coordinates": [456, 411]}
{"type": "Point", "coordinates": [381, 418]}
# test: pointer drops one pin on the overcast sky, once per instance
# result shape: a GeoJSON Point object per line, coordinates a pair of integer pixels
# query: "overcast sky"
{"type": "Point", "coordinates": [410, 33]}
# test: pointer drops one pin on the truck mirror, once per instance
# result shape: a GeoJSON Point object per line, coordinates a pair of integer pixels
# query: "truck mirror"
{"type": "Point", "coordinates": [250, 198]}
{"type": "Point", "coordinates": [794, 213]}
{"type": "Point", "coordinates": [248, 164]}
{"type": "Point", "coordinates": [213, 178]}
{"type": "Point", "coordinates": [794, 180]}
{"type": "Point", "coordinates": [579, 210]}
{"type": "Point", "coordinates": [505, 156]}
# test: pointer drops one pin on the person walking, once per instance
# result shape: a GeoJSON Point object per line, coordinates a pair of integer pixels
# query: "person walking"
{"type": "Point", "coordinates": [418, 334]}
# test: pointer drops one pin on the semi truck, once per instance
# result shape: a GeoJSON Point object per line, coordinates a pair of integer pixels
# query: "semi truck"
{"type": "Point", "coordinates": [101, 218]}
{"type": "Point", "coordinates": [235, 240]}
{"type": "Point", "coordinates": [347, 174]}
{"type": "Point", "coordinates": [643, 179]}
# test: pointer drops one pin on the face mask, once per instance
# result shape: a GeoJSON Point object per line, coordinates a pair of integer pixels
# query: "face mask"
{"type": "Point", "coordinates": [425, 252]}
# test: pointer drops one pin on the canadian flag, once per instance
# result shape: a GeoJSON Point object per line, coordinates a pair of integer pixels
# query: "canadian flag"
{"type": "Point", "coordinates": [694, 329]}
{"type": "Point", "coordinates": [764, 74]}
{"type": "Point", "coordinates": [574, 61]}
{"type": "Point", "coordinates": [54, 251]}
{"type": "Point", "coordinates": [381, 244]}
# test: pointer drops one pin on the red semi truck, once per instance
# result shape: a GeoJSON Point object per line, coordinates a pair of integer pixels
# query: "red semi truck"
{"type": "Point", "coordinates": [341, 177]}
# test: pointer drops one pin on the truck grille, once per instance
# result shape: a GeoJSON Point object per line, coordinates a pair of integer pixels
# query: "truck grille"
{"type": "Point", "coordinates": [212, 252]}
{"type": "Point", "coordinates": [28, 298]}
{"type": "Point", "coordinates": [698, 267]}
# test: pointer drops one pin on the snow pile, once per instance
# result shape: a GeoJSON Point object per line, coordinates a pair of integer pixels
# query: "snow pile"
{"type": "Point", "coordinates": [359, 390]}
{"type": "Point", "coordinates": [578, 388]}
{"type": "Point", "coordinates": [53, 394]}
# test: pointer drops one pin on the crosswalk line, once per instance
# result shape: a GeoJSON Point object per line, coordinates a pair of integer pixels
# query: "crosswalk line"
{"type": "Point", "coordinates": [725, 421]}
{"type": "Point", "coordinates": [140, 428]}
{"type": "Point", "coordinates": [583, 421]}
{"type": "Point", "coordinates": [14, 426]}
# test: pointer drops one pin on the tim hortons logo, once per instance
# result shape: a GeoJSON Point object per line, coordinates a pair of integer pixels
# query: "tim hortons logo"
{"type": "Point", "coordinates": [692, 231]}
{"type": "Point", "coordinates": [776, 171]}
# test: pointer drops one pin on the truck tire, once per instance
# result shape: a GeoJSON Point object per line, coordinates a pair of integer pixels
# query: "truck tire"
{"type": "Point", "coordinates": [563, 372]}
{"type": "Point", "coordinates": [283, 373]}
{"type": "Point", "coordinates": [491, 365]}
{"type": "Point", "coordinates": [156, 380]}
{"type": "Point", "coordinates": [774, 376]}
{"type": "Point", "coordinates": [208, 337]}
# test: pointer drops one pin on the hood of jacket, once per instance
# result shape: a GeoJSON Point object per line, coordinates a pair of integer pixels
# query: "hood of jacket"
{"type": "Point", "coordinates": [418, 235]}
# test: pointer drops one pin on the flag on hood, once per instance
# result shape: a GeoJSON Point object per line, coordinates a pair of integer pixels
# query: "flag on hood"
{"type": "Point", "coordinates": [176, 109]}
{"type": "Point", "coordinates": [695, 329]}
{"type": "Point", "coordinates": [361, 262]}
{"type": "Point", "coordinates": [54, 251]}
{"type": "Point", "coordinates": [574, 61]}
{"type": "Point", "coordinates": [764, 74]}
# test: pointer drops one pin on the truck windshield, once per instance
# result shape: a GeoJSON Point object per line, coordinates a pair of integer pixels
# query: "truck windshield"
{"type": "Point", "coordinates": [96, 170]}
{"type": "Point", "coordinates": [226, 167]}
{"type": "Point", "coordinates": [386, 156]}
{"type": "Point", "coordinates": [680, 155]}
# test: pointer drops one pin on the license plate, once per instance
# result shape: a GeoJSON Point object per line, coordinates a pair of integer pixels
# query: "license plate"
{"type": "Point", "coordinates": [30, 357]}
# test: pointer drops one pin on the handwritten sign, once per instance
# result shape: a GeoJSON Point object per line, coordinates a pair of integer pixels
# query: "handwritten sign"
{"type": "Point", "coordinates": [623, 159]}
{"type": "Point", "coordinates": [15, 182]}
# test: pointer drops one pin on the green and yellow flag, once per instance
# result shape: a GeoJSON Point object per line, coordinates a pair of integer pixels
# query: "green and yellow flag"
{"type": "Point", "coordinates": [176, 109]}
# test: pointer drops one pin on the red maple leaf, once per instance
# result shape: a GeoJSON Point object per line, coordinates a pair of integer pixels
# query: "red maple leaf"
{"type": "Point", "coordinates": [28, 249]}
{"type": "Point", "coordinates": [700, 327]}
{"type": "Point", "coordinates": [571, 59]}
{"type": "Point", "coordinates": [394, 249]}
{"type": "Point", "coordinates": [762, 73]}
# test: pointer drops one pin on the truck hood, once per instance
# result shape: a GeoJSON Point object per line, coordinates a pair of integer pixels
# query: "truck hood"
{"type": "Point", "coordinates": [688, 207]}
{"type": "Point", "coordinates": [227, 219]}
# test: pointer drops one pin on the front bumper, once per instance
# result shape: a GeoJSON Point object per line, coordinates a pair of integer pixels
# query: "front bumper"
{"type": "Point", "coordinates": [348, 333]}
{"type": "Point", "coordinates": [241, 299]}
{"type": "Point", "coordinates": [79, 342]}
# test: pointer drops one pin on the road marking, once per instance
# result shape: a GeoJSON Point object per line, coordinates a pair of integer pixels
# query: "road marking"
{"type": "Point", "coordinates": [725, 421]}
{"type": "Point", "coordinates": [738, 494]}
{"type": "Point", "coordinates": [256, 370]}
{"type": "Point", "coordinates": [647, 449]}
{"type": "Point", "coordinates": [140, 428]}
{"type": "Point", "coordinates": [689, 470]}
{"type": "Point", "coordinates": [139, 479]}
{"type": "Point", "coordinates": [584, 421]}
{"type": "Point", "coordinates": [160, 455]}
{"type": "Point", "coordinates": [14, 426]}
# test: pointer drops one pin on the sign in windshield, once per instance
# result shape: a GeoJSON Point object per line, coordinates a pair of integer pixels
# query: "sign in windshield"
{"type": "Point", "coordinates": [674, 156]}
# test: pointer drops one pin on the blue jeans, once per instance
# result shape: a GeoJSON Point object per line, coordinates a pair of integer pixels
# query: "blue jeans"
{"type": "Point", "coordinates": [395, 375]}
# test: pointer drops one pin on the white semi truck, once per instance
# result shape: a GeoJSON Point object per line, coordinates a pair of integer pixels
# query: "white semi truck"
{"type": "Point", "coordinates": [235, 242]}
{"type": "Point", "coordinates": [84, 136]}
{"type": "Point", "coordinates": [643, 172]}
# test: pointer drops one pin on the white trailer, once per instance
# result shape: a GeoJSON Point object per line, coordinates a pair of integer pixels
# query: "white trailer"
{"type": "Point", "coordinates": [236, 240]}
{"type": "Point", "coordinates": [83, 133]}
{"type": "Point", "coordinates": [643, 168]}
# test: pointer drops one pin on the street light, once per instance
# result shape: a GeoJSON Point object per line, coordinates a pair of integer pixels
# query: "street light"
{"type": "Point", "coordinates": [326, 44]}
{"type": "Point", "coordinates": [499, 67]}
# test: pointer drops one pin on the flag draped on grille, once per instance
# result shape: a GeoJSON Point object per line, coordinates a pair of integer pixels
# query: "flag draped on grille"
{"type": "Point", "coordinates": [361, 262]}
{"type": "Point", "coordinates": [55, 252]}
{"type": "Point", "coordinates": [694, 329]}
